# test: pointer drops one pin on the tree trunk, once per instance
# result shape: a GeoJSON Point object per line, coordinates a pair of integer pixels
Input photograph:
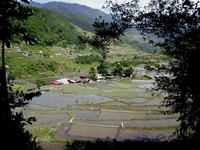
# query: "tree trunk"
{"type": "Point", "coordinates": [5, 108]}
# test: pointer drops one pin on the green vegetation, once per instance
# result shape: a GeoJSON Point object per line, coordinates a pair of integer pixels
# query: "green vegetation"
{"type": "Point", "coordinates": [56, 50]}
{"type": "Point", "coordinates": [24, 88]}
{"type": "Point", "coordinates": [15, 136]}
{"type": "Point", "coordinates": [177, 23]}
{"type": "Point", "coordinates": [51, 62]}
{"type": "Point", "coordinates": [88, 59]}
{"type": "Point", "coordinates": [43, 133]}
{"type": "Point", "coordinates": [92, 74]}
{"type": "Point", "coordinates": [49, 29]}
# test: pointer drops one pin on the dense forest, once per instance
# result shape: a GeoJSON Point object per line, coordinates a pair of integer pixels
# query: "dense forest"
{"type": "Point", "coordinates": [83, 17]}
{"type": "Point", "coordinates": [49, 29]}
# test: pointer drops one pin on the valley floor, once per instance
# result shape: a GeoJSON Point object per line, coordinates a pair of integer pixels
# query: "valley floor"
{"type": "Point", "coordinates": [119, 110]}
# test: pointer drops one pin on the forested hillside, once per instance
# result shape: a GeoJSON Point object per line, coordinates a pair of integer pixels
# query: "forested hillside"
{"type": "Point", "coordinates": [57, 45]}
{"type": "Point", "coordinates": [84, 17]}
{"type": "Point", "coordinates": [49, 29]}
{"type": "Point", "coordinates": [79, 15]}
{"type": "Point", "coordinates": [54, 38]}
{"type": "Point", "coordinates": [137, 41]}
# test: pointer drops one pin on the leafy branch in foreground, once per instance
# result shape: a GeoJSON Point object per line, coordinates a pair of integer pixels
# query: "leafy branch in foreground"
{"type": "Point", "coordinates": [177, 22]}
{"type": "Point", "coordinates": [14, 136]}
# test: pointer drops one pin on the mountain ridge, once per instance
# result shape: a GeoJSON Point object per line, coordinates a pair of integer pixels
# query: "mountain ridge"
{"type": "Point", "coordinates": [80, 15]}
{"type": "Point", "coordinates": [84, 16]}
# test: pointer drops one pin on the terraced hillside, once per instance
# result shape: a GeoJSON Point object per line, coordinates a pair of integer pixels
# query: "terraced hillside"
{"type": "Point", "coordinates": [120, 109]}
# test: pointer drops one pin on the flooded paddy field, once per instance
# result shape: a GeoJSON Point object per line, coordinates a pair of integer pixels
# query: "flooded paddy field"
{"type": "Point", "coordinates": [112, 109]}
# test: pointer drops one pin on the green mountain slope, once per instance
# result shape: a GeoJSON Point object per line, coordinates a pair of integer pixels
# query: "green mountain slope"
{"type": "Point", "coordinates": [136, 41]}
{"type": "Point", "coordinates": [84, 16]}
{"type": "Point", "coordinates": [79, 15]}
{"type": "Point", "coordinates": [57, 50]}
{"type": "Point", "coordinates": [49, 29]}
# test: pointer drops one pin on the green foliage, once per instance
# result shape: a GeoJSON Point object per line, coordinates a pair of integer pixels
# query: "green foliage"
{"type": "Point", "coordinates": [128, 72]}
{"type": "Point", "coordinates": [118, 69]}
{"type": "Point", "coordinates": [79, 15]}
{"type": "Point", "coordinates": [16, 131]}
{"type": "Point", "coordinates": [14, 135]}
{"type": "Point", "coordinates": [24, 88]}
{"type": "Point", "coordinates": [48, 29]}
{"type": "Point", "coordinates": [13, 14]}
{"type": "Point", "coordinates": [121, 69]}
{"type": "Point", "coordinates": [92, 74]}
{"type": "Point", "coordinates": [182, 44]}
{"type": "Point", "coordinates": [39, 83]}
{"type": "Point", "coordinates": [102, 68]}
{"type": "Point", "coordinates": [33, 67]}
{"type": "Point", "coordinates": [177, 22]}
{"type": "Point", "coordinates": [106, 33]}
{"type": "Point", "coordinates": [89, 59]}
{"type": "Point", "coordinates": [146, 143]}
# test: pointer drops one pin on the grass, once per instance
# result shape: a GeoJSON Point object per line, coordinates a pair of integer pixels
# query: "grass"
{"type": "Point", "coordinates": [42, 133]}
{"type": "Point", "coordinates": [76, 89]}
{"type": "Point", "coordinates": [153, 128]}
{"type": "Point", "coordinates": [122, 86]}
{"type": "Point", "coordinates": [23, 88]}
{"type": "Point", "coordinates": [45, 133]}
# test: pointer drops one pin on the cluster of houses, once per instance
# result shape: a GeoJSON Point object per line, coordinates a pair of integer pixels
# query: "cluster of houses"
{"type": "Point", "coordinates": [82, 79]}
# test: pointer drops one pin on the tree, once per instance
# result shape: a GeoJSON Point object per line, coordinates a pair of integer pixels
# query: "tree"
{"type": "Point", "coordinates": [177, 23]}
{"type": "Point", "coordinates": [93, 74]}
{"type": "Point", "coordinates": [102, 68]}
{"type": "Point", "coordinates": [12, 14]}
{"type": "Point", "coordinates": [118, 69]}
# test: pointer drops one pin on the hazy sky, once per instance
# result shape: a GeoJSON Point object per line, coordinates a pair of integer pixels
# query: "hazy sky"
{"type": "Point", "coordinates": [91, 3]}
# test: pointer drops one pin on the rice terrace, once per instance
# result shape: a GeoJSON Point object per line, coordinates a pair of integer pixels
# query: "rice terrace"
{"type": "Point", "coordinates": [112, 109]}
{"type": "Point", "coordinates": [116, 109]}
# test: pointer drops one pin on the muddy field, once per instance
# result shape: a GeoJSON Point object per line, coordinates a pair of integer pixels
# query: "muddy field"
{"type": "Point", "coordinates": [109, 110]}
